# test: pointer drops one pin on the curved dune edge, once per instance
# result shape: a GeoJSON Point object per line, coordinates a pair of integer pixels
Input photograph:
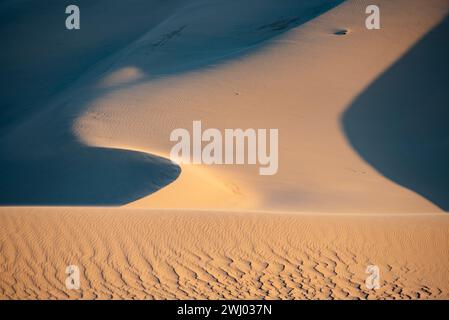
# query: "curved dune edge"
{"type": "Point", "coordinates": [398, 124]}
{"type": "Point", "coordinates": [205, 190]}
{"type": "Point", "coordinates": [41, 161]}
{"type": "Point", "coordinates": [163, 254]}
{"type": "Point", "coordinates": [313, 77]}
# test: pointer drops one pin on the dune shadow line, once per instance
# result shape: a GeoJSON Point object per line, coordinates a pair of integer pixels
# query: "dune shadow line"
{"type": "Point", "coordinates": [399, 124]}
{"type": "Point", "coordinates": [85, 176]}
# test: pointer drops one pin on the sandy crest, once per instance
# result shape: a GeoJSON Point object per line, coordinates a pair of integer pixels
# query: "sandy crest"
{"type": "Point", "coordinates": [301, 82]}
{"type": "Point", "coordinates": [135, 253]}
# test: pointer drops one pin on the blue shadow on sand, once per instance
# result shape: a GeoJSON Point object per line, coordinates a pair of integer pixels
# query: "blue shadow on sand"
{"type": "Point", "coordinates": [41, 160]}
{"type": "Point", "coordinates": [85, 176]}
{"type": "Point", "coordinates": [400, 123]}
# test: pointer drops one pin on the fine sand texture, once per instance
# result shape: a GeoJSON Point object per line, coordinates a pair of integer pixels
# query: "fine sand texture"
{"type": "Point", "coordinates": [134, 253]}
{"type": "Point", "coordinates": [85, 175]}
{"type": "Point", "coordinates": [103, 137]}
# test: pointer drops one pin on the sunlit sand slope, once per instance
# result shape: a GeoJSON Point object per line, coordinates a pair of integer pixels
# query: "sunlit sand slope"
{"type": "Point", "coordinates": [162, 254]}
{"type": "Point", "coordinates": [300, 82]}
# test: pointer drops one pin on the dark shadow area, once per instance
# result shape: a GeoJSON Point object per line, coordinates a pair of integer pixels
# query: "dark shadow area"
{"type": "Point", "coordinates": [41, 161]}
{"type": "Point", "coordinates": [38, 52]}
{"type": "Point", "coordinates": [85, 176]}
{"type": "Point", "coordinates": [399, 124]}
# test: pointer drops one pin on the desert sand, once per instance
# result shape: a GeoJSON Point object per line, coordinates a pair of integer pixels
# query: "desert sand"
{"type": "Point", "coordinates": [87, 127]}
{"type": "Point", "coordinates": [142, 254]}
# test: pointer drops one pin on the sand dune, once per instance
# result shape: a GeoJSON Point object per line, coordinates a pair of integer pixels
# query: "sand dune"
{"type": "Point", "coordinates": [179, 70]}
{"type": "Point", "coordinates": [43, 147]}
{"type": "Point", "coordinates": [311, 78]}
{"type": "Point", "coordinates": [179, 255]}
{"type": "Point", "coordinates": [86, 119]}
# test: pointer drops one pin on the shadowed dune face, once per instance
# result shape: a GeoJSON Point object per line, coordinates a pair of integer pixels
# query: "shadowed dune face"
{"type": "Point", "coordinates": [399, 124]}
{"type": "Point", "coordinates": [207, 33]}
{"type": "Point", "coordinates": [41, 160]}
{"type": "Point", "coordinates": [40, 57]}
{"type": "Point", "coordinates": [85, 176]}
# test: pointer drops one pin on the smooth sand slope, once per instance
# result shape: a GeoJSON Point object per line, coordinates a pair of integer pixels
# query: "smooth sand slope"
{"type": "Point", "coordinates": [265, 66]}
{"type": "Point", "coordinates": [99, 135]}
{"type": "Point", "coordinates": [39, 144]}
{"type": "Point", "coordinates": [300, 82]}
